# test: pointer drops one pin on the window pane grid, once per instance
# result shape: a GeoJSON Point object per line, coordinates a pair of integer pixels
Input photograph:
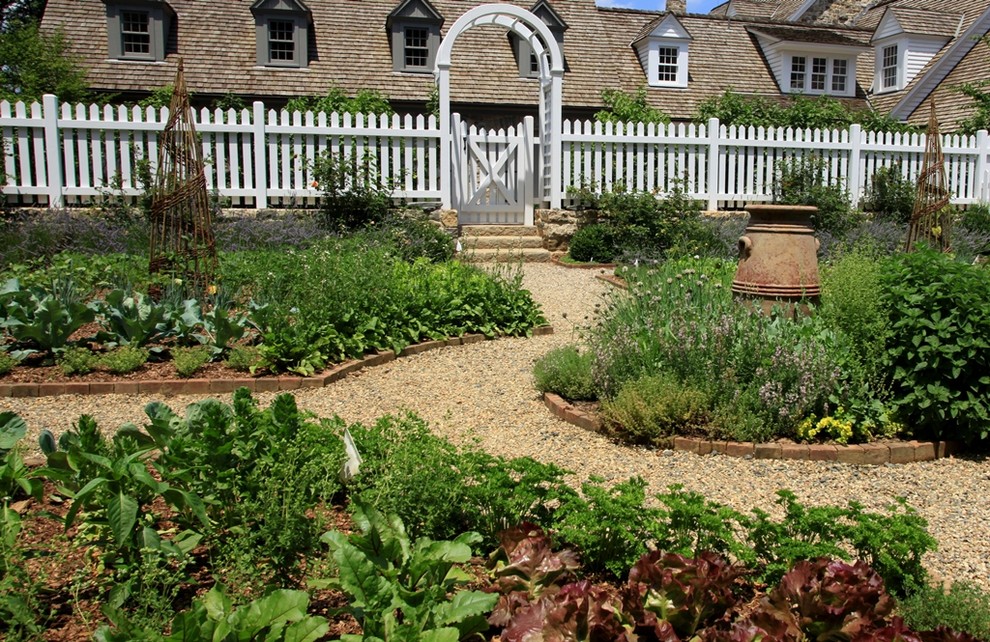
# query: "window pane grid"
{"type": "Point", "coordinates": [797, 73]}
{"type": "Point", "coordinates": [417, 51]}
{"type": "Point", "coordinates": [281, 41]}
{"type": "Point", "coordinates": [819, 70]}
{"type": "Point", "coordinates": [135, 31]}
{"type": "Point", "coordinates": [839, 71]}
{"type": "Point", "coordinates": [889, 67]}
{"type": "Point", "coordinates": [667, 67]}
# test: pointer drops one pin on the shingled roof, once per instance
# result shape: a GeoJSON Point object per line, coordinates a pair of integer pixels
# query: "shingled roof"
{"type": "Point", "coordinates": [349, 48]}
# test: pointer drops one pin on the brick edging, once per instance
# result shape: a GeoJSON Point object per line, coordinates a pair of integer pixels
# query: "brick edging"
{"type": "Point", "coordinates": [220, 386]}
{"type": "Point", "coordinates": [612, 279]}
{"type": "Point", "coordinates": [555, 259]}
{"type": "Point", "coordinates": [902, 452]}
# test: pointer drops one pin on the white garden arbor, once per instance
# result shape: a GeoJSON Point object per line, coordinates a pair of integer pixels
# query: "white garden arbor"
{"type": "Point", "coordinates": [489, 188]}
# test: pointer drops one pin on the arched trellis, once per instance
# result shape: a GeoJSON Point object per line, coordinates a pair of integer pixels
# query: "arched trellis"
{"type": "Point", "coordinates": [533, 30]}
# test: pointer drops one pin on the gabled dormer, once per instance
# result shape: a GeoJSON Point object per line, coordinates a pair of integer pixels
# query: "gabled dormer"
{"type": "Point", "coordinates": [810, 61]}
{"type": "Point", "coordinates": [282, 33]}
{"type": "Point", "coordinates": [528, 65]}
{"type": "Point", "coordinates": [414, 33]}
{"type": "Point", "coordinates": [905, 40]}
{"type": "Point", "coordinates": [138, 29]}
{"type": "Point", "coordinates": [663, 47]}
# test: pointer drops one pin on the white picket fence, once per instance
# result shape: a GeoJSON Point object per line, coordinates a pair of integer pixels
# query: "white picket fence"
{"type": "Point", "coordinates": [720, 164]}
{"type": "Point", "coordinates": [66, 154]}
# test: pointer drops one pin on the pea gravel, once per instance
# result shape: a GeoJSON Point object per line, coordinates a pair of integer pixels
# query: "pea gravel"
{"type": "Point", "coordinates": [483, 394]}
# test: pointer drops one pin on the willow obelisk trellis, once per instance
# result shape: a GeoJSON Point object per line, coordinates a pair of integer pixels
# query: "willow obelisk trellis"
{"type": "Point", "coordinates": [182, 241]}
{"type": "Point", "coordinates": [930, 218]}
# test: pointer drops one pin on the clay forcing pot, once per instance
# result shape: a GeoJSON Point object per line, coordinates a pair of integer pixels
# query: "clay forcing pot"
{"type": "Point", "coordinates": [778, 259]}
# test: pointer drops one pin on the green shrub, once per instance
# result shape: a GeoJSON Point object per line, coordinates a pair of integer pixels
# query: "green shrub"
{"type": "Point", "coordinates": [655, 407]}
{"type": "Point", "coordinates": [353, 196]}
{"type": "Point", "coordinates": [77, 360]}
{"type": "Point", "coordinates": [124, 359]}
{"type": "Point", "coordinates": [7, 363]}
{"type": "Point", "coordinates": [413, 238]}
{"type": "Point", "coordinates": [964, 607]}
{"type": "Point", "coordinates": [566, 371]}
{"type": "Point", "coordinates": [188, 360]}
{"type": "Point", "coordinates": [595, 242]}
{"type": "Point", "coordinates": [804, 181]}
{"type": "Point", "coordinates": [244, 358]}
{"type": "Point", "coordinates": [939, 351]}
{"type": "Point", "coordinates": [891, 196]}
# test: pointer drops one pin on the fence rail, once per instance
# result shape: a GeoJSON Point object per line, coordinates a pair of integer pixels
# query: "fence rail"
{"type": "Point", "coordinates": [261, 157]}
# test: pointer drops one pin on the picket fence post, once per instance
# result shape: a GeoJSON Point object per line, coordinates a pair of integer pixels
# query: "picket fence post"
{"type": "Point", "coordinates": [714, 177]}
{"type": "Point", "coordinates": [53, 149]}
{"type": "Point", "coordinates": [853, 167]}
{"type": "Point", "coordinates": [260, 161]}
{"type": "Point", "coordinates": [982, 182]}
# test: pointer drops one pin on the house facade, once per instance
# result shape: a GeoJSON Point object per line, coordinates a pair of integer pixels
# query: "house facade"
{"type": "Point", "coordinates": [894, 55]}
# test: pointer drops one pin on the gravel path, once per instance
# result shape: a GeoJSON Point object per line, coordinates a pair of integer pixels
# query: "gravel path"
{"type": "Point", "coordinates": [483, 394]}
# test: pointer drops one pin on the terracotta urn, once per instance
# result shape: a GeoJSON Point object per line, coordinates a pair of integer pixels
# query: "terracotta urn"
{"type": "Point", "coordinates": [778, 259]}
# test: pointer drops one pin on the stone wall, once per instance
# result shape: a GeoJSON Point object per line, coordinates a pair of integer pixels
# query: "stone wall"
{"type": "Point", "coordinates": [558, 226]}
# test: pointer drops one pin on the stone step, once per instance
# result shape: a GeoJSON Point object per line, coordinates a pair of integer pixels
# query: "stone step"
{"type": "Point", "coordinates": [505, 242]}
{"type": "Point", "coordinates": [501, 255]}
{"type": "Point", "coordinates": [499, 230]}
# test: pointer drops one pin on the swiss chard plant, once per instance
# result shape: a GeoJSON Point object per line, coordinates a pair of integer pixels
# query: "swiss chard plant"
{"type": "Point", "coordinates": [403, 590]}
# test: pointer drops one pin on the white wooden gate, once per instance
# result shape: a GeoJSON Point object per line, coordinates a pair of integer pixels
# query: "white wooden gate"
{"type": "Point", "coordinates": [494, 173]}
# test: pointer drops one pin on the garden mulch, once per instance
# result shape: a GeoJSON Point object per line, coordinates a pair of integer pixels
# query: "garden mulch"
{"type": "Point", "coordinates": [482, 395]}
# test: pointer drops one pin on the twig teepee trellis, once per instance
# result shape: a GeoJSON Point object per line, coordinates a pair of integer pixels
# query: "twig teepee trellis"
{"type": "Point", "coordinates": [182, 241]}
{"type": "Point", "coordinates": [930, 218]}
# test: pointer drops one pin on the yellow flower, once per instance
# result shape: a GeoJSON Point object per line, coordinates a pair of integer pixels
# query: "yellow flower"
{"type": "Point", "coordinates": [212, 289]}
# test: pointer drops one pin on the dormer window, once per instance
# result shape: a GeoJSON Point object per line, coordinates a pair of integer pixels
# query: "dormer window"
{"type": "Point", "coordinates": [281, 33]}
{"type": "Point", "coordinates": [138, 29]}
{"type": "Point", "coordinates": [905, 40]}
{"type": "Point", "coordinates": [414, 31]}
{"type": "Point", "coordinates": [529, 66]}
{"type": "Point", "coordinates": [810, 61]}
{"type": "Point", "coordinates": [663, 48]}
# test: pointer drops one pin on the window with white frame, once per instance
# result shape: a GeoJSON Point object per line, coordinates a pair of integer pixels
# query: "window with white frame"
{"type": "Point", "coordinates": [668, 65]}
{"type": "Point", "coordinates": [797, 73]}
{"type": "Point", "coordinates": [820, 75]}
{"type": "Point", "coordinates": [888, 67]}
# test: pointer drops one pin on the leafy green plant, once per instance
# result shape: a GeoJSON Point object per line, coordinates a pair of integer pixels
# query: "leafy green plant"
{"type": "Point", "coordinates": [654, 408]}
{"type": "Point", "coordinates": [608, 526]}
{"type": "Point", "coordinates": [566, 371]}
{"type": "Point", "coordinates": [189, 360]}
{"type": "Point", "coordinates": [805, 181]}
{"type": "Point", "coordinates": [77, 360]}
{"type": "Point", "coordinates": [691, 525]}
{"type": "Point", "coordinates": [132, 318]}
{"type": "Point", "coordinates": [402, 590]}
{"type": "Point", "coordinates": [891, 195]}
{"type": "Point", "coordinates": [245, 358]}
{"type": "Point", "coordinates": [964, 607]}
{"type": "Point", "coordinates": [19, 606]}
{"type": "Point", "coordinates": [126, 358]}
{"type": "Point", "coordinates": [7, 362]}
{"type": "Point", "coordinates": [15, 478]}
{"type": "Point", "coordinates": [280, 616]}
{"type": "Point", "coordinates": [353, 194]}
{"type": "Point", "coordinates": [620, 107]}
{"type": "Point", "coordinates": [939, 351]}
{"type": "Point", "coordinates": [43, 319]}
